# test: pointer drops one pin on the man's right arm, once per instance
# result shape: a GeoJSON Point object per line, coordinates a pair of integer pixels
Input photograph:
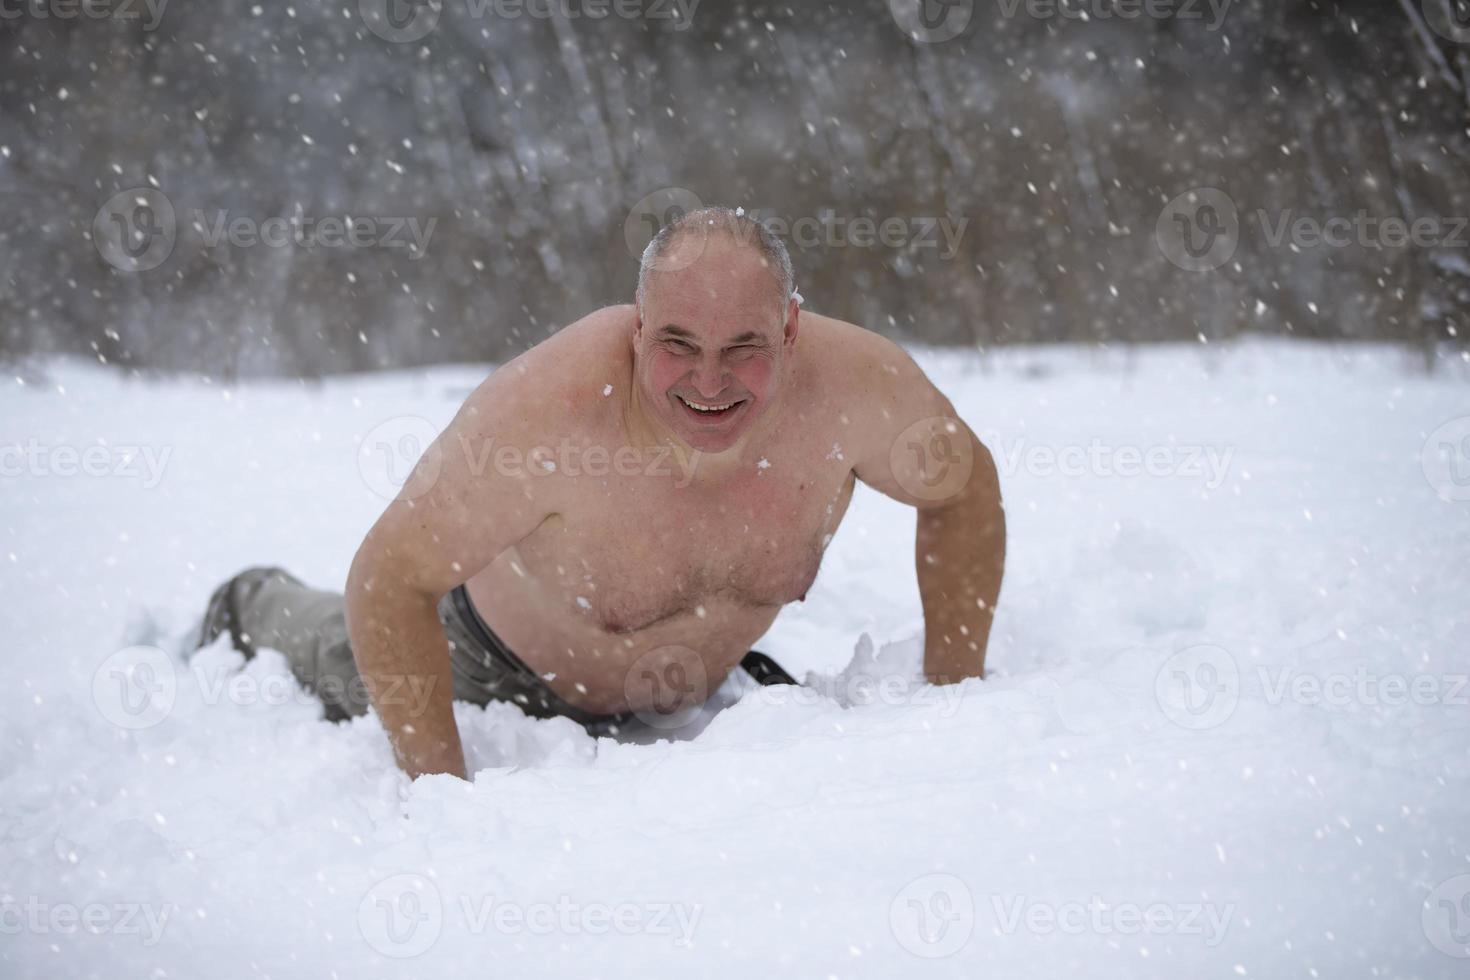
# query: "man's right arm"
{"type": "Point", "coordinates": [454, 515]}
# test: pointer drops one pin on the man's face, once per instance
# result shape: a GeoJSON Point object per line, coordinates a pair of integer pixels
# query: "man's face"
{"type": "Point", "coordinates": [711, 339]}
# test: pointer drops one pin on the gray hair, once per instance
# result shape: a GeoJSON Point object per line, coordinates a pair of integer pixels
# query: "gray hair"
{"type": "Point", "coordinates": [735, 223]}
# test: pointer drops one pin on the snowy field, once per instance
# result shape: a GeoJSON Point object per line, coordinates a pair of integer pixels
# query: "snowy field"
{"type": "Point", "coordinates": [1226, 731]}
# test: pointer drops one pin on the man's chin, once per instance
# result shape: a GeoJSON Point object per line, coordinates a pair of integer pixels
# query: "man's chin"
{"type": "Point", "coordinates": [713, 435]}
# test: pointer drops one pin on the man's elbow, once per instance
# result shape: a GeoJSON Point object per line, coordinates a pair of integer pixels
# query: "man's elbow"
{"type": "Point", "coordinates": [979, 496]}
{"type": "Point", "coordinates": [988, 479]}
{"type": "Point", "coordinates": [377, 576]}
{"type": "Point", "coordinates": [363, 572]}
{"type": "Point", "coordinates": [978, 505]}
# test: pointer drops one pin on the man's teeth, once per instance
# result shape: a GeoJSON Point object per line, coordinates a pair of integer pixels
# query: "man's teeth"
{"type": "Point", "coordinates": [698, 407]}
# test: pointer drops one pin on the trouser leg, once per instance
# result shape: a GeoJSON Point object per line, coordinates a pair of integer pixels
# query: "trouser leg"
{"type": "Point", "coordinates": [270, 607]}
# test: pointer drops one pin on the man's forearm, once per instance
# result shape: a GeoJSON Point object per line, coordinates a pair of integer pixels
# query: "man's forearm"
{"type": "Point", "coordinates": [960, 555]}
{"type": "Point", "coordinates": [403, 657]}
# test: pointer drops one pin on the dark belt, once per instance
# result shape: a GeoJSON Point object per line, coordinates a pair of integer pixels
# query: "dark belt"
{"type": "Point", "coordinates": [496, 649]}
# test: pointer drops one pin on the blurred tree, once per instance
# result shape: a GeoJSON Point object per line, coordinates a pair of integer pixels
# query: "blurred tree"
{"type": "Point", "coordinates": [1047, 144]}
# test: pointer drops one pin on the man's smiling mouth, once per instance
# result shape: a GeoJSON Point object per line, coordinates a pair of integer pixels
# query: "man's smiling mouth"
{"type": "Point", "coordinates": [710, 410]}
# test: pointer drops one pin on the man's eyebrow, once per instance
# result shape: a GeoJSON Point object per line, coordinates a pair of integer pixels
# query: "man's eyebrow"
{"type": "Point", "coordinates": [672, 330]}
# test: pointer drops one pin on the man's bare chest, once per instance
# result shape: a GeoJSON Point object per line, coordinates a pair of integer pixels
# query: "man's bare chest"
{"type": "Point", "coordinates": [630, 552]}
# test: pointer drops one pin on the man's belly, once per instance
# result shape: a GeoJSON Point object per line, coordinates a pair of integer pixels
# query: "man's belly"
{"type": "Point", "coordinates": [686, 653]}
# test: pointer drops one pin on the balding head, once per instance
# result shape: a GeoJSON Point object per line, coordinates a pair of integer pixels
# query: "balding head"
{"type": "Point", "coordinates": [686, 240]}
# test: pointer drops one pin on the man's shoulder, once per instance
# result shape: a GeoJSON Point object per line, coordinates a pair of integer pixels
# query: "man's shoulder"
{"type": "Point", "coordinates": [566, 376]}
{"type": "Point", "coordinates": [596, 345]}
{"type": "Point", "coordinates": [848, 355]}
{"type": "Point", "coordinates": [875, 386]}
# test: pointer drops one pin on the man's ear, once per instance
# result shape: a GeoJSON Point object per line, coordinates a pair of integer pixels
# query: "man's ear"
{"type": "Point", "coordinates": [788, 336]}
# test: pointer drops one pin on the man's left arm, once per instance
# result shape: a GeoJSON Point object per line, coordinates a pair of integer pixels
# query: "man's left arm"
{"type": "Point", "coordinates": [918, 450]}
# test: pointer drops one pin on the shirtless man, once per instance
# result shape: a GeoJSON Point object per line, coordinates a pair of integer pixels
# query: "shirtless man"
{"type": "Point", "coordinates": [541, 523]}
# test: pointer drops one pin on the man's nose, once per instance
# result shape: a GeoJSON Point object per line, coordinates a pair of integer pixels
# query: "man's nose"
{"type": "Point", "coordinates": [709, 377]}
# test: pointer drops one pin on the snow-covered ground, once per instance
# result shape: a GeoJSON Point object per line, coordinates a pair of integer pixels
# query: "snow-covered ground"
{"type": "Point", "coordinates": [1226, 731]}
